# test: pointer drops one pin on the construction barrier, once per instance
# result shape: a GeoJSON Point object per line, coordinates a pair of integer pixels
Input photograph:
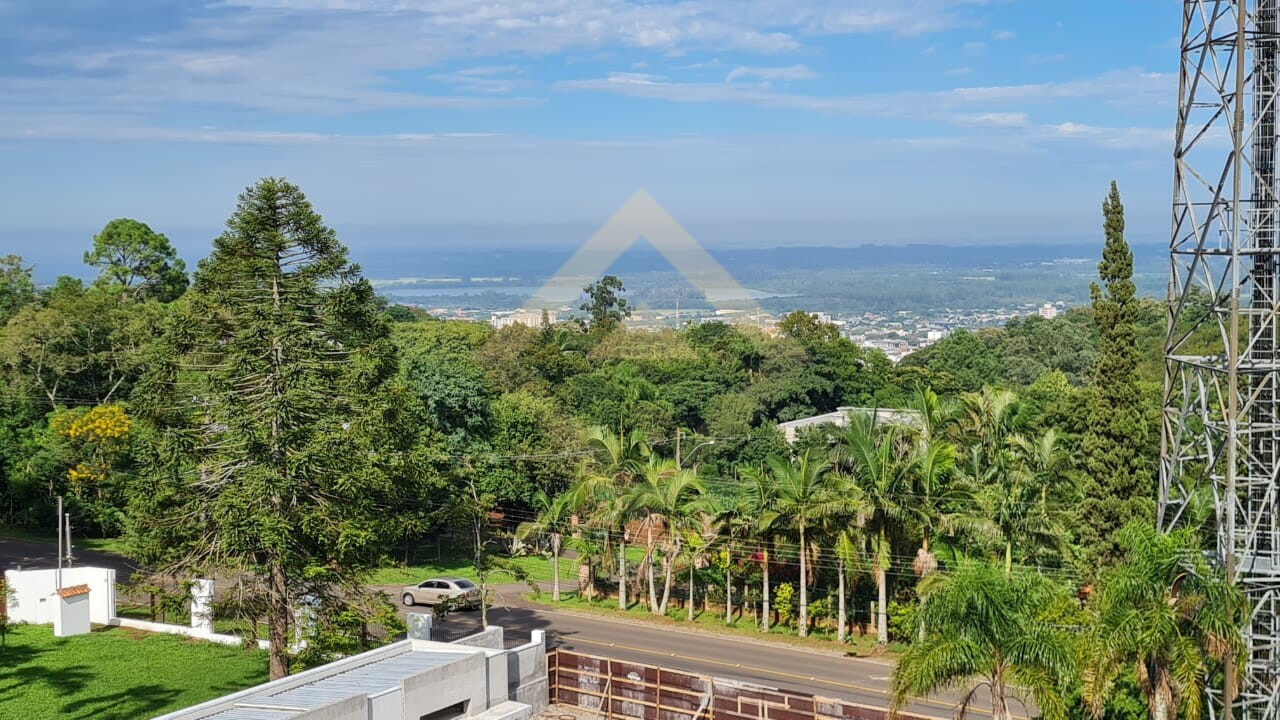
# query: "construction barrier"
{"type": "Point", "coordinates": [624, 690]}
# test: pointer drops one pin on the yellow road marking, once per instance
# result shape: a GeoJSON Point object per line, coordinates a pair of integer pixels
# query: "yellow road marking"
{"type": "Point", "coordinates": [767, 671]}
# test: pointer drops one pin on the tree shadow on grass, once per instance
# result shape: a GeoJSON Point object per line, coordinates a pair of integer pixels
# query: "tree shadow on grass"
{"type": "Point", "coordinates": [18, 669]}
{"type": "Point", "coordinates": [135, 702]}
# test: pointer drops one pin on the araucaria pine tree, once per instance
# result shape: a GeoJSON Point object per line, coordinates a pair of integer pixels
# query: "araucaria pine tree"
{"type": "Point", "coordinates": [1119, 483]}
{"type": "Point", "coordinates": [290, 411]}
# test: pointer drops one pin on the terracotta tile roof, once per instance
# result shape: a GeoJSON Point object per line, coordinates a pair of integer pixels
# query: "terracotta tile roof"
{"type": "Point", "coordinates": [74, 590]}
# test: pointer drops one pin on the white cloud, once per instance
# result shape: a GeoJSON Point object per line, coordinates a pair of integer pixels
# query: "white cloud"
{"type": "Point", "coordinates": [1118, 88]}
{"type": "Point", "coordinates": [1003, 35]}
{"type": "Point", "coordinates": [993, 119]}
{"type": "Point", "coordinates": [1131, 138]}
{"type": "Point", "coordinates": [769, 74]}
{"type": "Point", "coordinates": [336, 56]}
{"type": "Point", "coordinates": [491, 79]}
{"type": "Point", "coordinates": [975, 47]}
{"type": "Point", "coordinates": [959, 71]}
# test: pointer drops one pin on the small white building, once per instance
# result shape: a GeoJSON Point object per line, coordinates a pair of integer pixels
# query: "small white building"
{"type": "Point", "coordinates": [1047, 311]}
{"type": "Point", "coordinates": [840, 418]}
{"type": "Point", "coordinates": [72, 617]}
{"type": "Point", "coordinates": [33, 594]}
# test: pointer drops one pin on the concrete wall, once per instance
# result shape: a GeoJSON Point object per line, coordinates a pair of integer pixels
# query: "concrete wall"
{"type": "Point", "coordinates": [494, 684]}
{"type": "Point", "coordinates": [227, 702]}
{"type": "Point", "coordinates": [463, 681]}
{"type": "Point", "coordinates": [33, 597]}
{"type": "Point", "coordinates": [168, 629]}
{"type": "Point", "coordinates": [352, 708]}
{"type": "Point", "coordinates": [518, 674]}
{"type": "Point", "coordinates": [490, 637]}
{"type": "Point", "coordinates": [527, 672]}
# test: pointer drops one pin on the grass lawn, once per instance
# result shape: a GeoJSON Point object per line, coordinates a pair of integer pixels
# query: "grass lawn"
{"type": "Point", "coordinates": [742, 626]}
{"type": "Point", "coordinates": [459, 564]}
{"type": "Point", "coordinates": [116, 673]}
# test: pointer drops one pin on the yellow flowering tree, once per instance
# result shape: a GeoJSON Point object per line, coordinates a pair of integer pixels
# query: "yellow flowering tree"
{"type": "Point", "coordinates": [96, 440]}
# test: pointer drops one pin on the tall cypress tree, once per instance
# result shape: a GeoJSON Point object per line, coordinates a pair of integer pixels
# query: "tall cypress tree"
{"type": "Point", "coordinates": [1119, 485]}
{"type": "Point", "coordinates": [290, 454]}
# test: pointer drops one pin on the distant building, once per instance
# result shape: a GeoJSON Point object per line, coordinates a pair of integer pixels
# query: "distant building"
{"type": "Point", "coordinates": [1048, 311]}
{"type": "Point", "coordinates": [536, 319]}
{"type": "Point", "coordinates": [935, 335]}
{"type": "Point", "coordinates": [840, 418]}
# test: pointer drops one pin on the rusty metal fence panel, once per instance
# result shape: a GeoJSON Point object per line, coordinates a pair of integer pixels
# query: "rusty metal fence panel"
{"type": "Point", "coordinates": [624, 690]}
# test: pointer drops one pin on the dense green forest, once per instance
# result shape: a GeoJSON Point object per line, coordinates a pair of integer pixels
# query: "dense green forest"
{"type": "Point", "coordinates": [269, 415]}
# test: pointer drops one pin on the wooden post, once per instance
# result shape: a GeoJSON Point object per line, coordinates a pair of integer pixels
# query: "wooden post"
{"type": "Point", "coordinates": [657, 710]}
{"type": "Point", "coordinates": [609, 692]}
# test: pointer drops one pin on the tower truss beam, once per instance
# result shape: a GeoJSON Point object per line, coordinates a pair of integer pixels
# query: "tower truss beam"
{"type": "Point", "coordinates": [1221, 423]}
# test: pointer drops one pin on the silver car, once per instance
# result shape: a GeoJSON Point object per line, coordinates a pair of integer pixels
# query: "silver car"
{"type": "Point", "coordinates": [459, 592]}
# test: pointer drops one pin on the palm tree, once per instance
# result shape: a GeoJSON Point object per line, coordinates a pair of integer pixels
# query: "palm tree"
{"type": "Point", "coordinates": [669, 496]}
{"type": "Point", "coordinates": [875, 459]}
{"type": "Point", "coordinates": [1164, 612]}
{"type": "Point", "coordinates": [759, 501]}
{"type": "Point", "coordinates": [934, 418]}
{"type": "Point", "coordinates": [622, 458]}
{"type": "Point", "coordinates": [1046, 465]}
{"type": "Point", "coordinates": [846, 524]}
{"type": "Point", "coordinates": [1022, 489]}
{"type": "Point", "coordinates": [736, 524]}
{"type": "Point", "coordinates": [592, 495]}
{"type": "Point", "coordinates": [986, 418]}
{"type": "Point", "coordinates": [553, 520]}
{"type": "Point", "coordinates": [804, 500]}
{"type": "Point", "coordinates": [996, 629]}
{"type": "Point", "coordinates": [700, 538]}
{"type": "Point", "coordinates": [935, 498]}
{"type": "Point", "coordinates": [940, 500]}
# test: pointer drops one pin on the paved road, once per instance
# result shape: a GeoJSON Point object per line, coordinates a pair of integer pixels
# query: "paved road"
{"type": "Point", "coordinates": [830, 674]}
{"type": "Point", "coordinates": [860, 680]}
{"type": "Point", "coordinates": [29, 554]}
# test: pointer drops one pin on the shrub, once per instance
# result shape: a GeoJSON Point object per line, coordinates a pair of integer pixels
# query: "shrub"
{"type": "Point", "coordinates": [783, 603]}
{"type": "Point", "coordinates": [904, 621]}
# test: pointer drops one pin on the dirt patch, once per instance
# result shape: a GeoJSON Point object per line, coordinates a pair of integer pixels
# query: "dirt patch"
{"type": "Point", "coordinates": [568, 712]}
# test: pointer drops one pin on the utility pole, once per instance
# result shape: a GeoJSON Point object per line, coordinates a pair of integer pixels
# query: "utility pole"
{"type": "Point", "coordinates": [66, 524]}
{"type": "Point", "coordinates": [58, 578]}
{"type": "Point", "coordinates": [677, 447]}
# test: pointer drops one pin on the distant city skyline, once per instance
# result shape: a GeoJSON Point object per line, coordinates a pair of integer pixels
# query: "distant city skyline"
{"type": "Point", "coordinates": [529, 123]}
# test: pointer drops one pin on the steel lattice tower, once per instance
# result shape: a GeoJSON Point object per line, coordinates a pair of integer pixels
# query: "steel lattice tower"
{"type": "Point", "coordinates": [1222, 375]}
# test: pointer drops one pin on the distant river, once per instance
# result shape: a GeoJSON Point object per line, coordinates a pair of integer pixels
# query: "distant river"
{"type": "Point", "coordinates": [518, 290]}
{"type": "Point", "coordinates": [456, 290]}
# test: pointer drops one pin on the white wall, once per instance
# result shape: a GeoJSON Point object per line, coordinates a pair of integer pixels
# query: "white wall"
{"type": "Point", "coordinates": [197, 633]}
{"type": "Point", "coordinates": [33, 597]}
{"type": "Point", "coordinates": [71, 616]}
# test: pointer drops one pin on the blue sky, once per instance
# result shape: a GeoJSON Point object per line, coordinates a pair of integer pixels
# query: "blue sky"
{"type": "Point", "coordinates": [433, 122]}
